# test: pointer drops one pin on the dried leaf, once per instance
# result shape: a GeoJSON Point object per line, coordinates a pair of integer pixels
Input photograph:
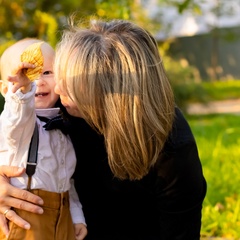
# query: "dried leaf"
{"type": "Point", "coordinates": [33, 54]}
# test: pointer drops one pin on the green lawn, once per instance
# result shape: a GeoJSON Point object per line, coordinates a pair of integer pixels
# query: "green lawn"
{"type": "Point", "coordinates": [218, 139]}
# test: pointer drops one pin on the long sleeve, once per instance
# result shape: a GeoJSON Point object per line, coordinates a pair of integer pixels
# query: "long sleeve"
{"type": "Point", "coordinates": [180, 185]}
{"type": "Point", "coordinates": [17, 124]}
{"type": "Point", "coordinates": [75, 206]}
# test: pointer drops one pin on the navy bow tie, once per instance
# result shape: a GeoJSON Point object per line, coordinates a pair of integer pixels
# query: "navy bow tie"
{"type": "Point", "coordinates": [55, 123]}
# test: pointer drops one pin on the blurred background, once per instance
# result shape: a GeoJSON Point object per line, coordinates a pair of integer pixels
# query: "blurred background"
{"type": "Point", "coordinates": [199, 41]}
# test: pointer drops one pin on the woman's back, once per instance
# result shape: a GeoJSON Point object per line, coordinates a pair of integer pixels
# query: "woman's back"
{"type": "Point", "coordinates": [142, 209]}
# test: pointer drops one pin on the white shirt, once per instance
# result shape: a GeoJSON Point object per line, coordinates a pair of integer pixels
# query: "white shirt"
{"type": "Point", "coordinates": [56, 156]}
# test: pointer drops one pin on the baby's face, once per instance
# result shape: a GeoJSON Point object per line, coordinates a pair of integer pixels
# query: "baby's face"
{"type": "Point", "coordinates": [45, 96]}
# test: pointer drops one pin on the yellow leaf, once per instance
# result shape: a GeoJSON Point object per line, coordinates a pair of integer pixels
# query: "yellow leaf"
{"type": "Point", "coordinates": [33, 54]}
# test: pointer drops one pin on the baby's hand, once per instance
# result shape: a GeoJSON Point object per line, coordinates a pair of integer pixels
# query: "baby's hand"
{"type": "Point", "coordinates": [19, 79]}
{"type": "Point", "coordinates": [80, 231]}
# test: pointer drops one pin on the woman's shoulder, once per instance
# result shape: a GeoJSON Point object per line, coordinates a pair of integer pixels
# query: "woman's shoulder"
{"type": "Point", "coordinates": [181, 133]}
{"type": "Point", "coordinates": [180, 150]}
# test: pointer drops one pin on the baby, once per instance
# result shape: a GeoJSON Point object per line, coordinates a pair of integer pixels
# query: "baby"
{"type": "Point", "coordinates": [27, 103]}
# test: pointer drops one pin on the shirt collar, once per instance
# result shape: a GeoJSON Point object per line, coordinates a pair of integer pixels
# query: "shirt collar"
{"type": "Point", "coordinates": [47, 112]}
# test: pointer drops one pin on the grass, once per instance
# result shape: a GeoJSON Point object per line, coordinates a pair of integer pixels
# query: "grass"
{"type": "Point", "coordinates": [221, 90]}
{"type": "Point", "coordinates": [203, 92]}
{"type": "Point", "coordinates": [218, 139]}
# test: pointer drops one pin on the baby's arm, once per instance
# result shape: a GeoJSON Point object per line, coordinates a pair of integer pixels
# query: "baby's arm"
{"type": "Point", "coordinates": [18, 116]}
{"type": "Point", "coordinates": [77, 213]}
{"type": "Point", "coordinates": [19, 79]}
{"type": "Point", "coordinates": [12, 133]}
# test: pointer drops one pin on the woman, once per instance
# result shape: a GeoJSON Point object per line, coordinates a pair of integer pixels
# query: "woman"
{"type": "Point", "coordinates": [138, 174]}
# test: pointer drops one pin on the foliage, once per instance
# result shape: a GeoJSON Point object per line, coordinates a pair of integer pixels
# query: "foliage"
{"type": "Point", "coordinates": [5, 45]}
{"type": "Point", "coordinates": [202, 92]}
{"type": "Point", "coordinates": [43, 19]}
{"type": "Point", "coordinates": [127, 9]}
{"type": "Point", "coordinates": [47, 27]}
{"type": "Point", "coordinates": [221, 90]}
{"type": "Point", "coordinates": [181, 5]}
{"type": "Point", "coordinates": [182, 77]}
{"type": "Point", "coordinates": [218, 142]}
{"type": "Point", "coordinates": [188, 89]}
{"type": "Point", "coordinates": [25, 22]}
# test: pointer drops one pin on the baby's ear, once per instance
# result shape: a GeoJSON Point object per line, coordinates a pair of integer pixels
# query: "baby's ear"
{"type": "Point", "coordinates": [3, 87]}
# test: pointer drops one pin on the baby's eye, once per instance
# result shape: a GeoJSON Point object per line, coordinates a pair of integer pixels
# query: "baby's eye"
{"type": "Point", "coordinates": [47, 73]}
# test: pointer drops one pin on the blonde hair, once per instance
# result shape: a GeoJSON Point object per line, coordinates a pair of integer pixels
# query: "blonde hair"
{"type": "Point", "coordinates": [115, 75]}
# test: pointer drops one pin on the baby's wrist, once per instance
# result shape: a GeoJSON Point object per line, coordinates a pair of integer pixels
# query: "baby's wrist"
{"type": "Point", "coordinates": [27, 88]}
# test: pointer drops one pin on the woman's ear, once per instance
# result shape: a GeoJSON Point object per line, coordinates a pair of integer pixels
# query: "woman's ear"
{"type": "Point", "coordinates": [3, 87]}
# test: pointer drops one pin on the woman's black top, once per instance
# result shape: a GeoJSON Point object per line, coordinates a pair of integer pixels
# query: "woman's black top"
{"type": "Point", "coordinates": [165, 204]}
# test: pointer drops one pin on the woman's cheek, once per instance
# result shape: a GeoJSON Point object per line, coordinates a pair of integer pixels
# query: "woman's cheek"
{"type": "Point", "coordinates": [73, 110]}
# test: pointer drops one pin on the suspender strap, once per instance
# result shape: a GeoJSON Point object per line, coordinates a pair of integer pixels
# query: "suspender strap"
{"type": "Point", "coordinates": [32, 156]}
